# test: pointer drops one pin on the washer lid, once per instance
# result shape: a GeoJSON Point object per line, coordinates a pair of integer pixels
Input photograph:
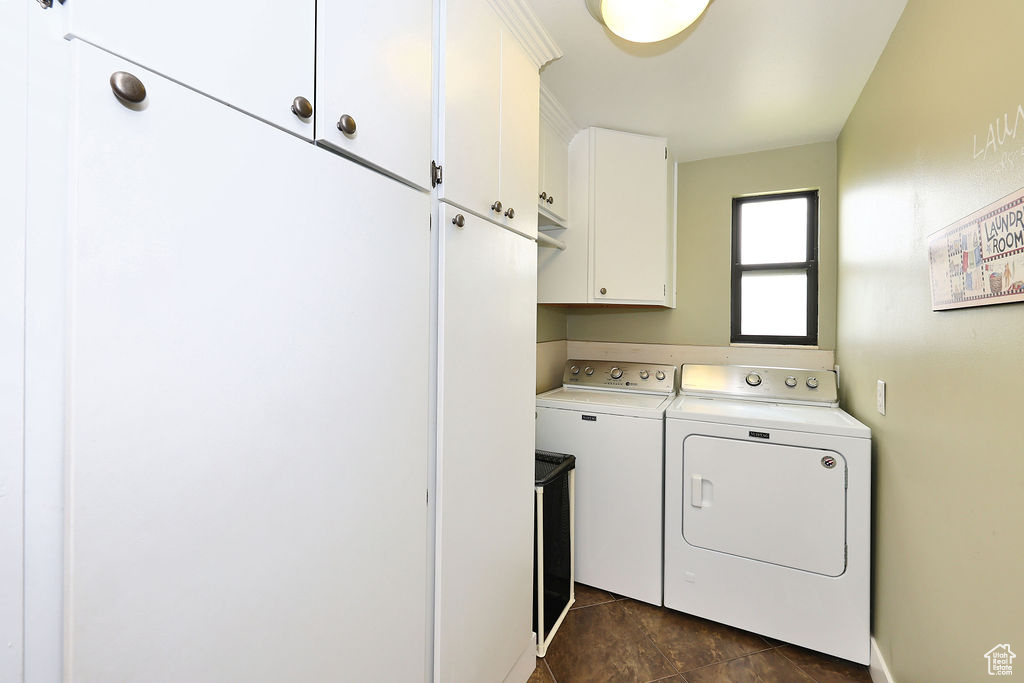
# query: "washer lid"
{"type": "Point", "coordinates": [796, 418]}
{"type": "Point", "coordinates": [605, 402]}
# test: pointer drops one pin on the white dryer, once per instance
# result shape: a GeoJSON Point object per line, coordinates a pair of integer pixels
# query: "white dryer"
{"type": "Point", "coordinates": [768, 506]}
{"type": "Point", "coordinates": [611, 417]}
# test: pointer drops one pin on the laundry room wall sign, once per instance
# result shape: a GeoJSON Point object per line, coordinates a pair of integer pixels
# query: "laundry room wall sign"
{"type": "Point", "coordinates": [979, 260]}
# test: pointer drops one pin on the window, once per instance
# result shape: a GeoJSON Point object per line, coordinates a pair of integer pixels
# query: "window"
{"type": "Point", "coordinates": [775, 269]}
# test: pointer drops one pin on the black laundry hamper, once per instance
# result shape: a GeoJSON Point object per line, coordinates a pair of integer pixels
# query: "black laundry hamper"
{"type": "Point", "coordinates": [553, 561]}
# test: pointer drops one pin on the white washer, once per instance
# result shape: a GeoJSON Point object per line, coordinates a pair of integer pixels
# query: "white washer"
{"type": "Point", "coordinates": [768, 506]}
{"type": "Point", "coordinates": [611, 417]}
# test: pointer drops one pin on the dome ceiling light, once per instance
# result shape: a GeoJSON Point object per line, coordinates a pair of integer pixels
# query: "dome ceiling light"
{"type": "Point", "coordinates": [646, 21]}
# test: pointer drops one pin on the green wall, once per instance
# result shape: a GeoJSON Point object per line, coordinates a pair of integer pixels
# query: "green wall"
{"type": "Point", "coordinates": [550, 323]}
{"type": "Point", "coordinates": [704, 226]}
{"type": "Point", "coordinates": [949, 465]}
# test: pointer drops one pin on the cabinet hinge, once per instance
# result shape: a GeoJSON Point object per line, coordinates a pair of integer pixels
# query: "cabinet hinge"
{"type": "Point", "coordinates": [666, 152]}
{"type": "Point", "coordinates": [428, 496]}
{"type": "Point", "coordinates": [436, 174]}
{"type": "Point", "coordinates": [664, 290]}
{"type": "Point", "coordinates": [47, 4]}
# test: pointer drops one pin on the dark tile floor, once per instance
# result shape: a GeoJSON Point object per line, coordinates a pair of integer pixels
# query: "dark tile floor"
{"type": "Point", "coordinates": [606, 637]}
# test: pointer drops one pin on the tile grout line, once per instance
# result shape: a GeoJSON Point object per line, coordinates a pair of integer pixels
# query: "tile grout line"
{"type": "Point", "coordinates": [550, 672]}
{"type": "Point", "coordinates": [733, 659]}
{"type": "Point", "coordinates": [639, 625]}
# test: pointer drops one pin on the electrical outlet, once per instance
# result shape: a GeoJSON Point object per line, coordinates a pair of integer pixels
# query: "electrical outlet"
{"type": "Point", "coordinates": [881, 396]}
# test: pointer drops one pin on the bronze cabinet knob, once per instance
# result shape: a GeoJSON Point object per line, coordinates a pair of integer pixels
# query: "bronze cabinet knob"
{"type": "Point", "coordinates": [604, 291]}
{"type": "Point", "coordinates": [459, 220]}
{"type": "Point", "coordinates": [511, 213]}
{"type": "Point", "coordinates": [551, 199]}
{"type": "Point", "coordinates": [543, 195]}
{"type": "Point", "coordinates": [302, 107]}
{"type": "Point", "coordinates": [347, 124]}
{"type": "Point", "coordinates": [496, 207]}
{"type": "Point", "coordinates": [127, 87]}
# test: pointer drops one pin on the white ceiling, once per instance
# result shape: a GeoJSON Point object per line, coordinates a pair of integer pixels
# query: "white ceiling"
{"type": "Point", "coordinates": [749, 75]}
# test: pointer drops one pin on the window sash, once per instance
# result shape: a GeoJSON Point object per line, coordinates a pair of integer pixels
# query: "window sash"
{"type": "Point", "coordinates": [810, 267]}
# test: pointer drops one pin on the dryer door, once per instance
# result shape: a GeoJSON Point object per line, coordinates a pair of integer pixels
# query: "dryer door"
{"type": "Point", "coordinates": [780, 504]}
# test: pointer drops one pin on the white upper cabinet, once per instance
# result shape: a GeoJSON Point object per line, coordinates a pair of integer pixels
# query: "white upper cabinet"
{"type": "Point", "coordinates": [488, 128]}
{"type": "Point", "coordinates": [621, 242]}
{"type": "Point", "coordinates": [257, 56]}
{"type": "Point", "coordinates": [519, 130]}
{"type": "Point", "coordinates": [629, 217]}
{"type": "Point", "coordinates": [553, 197]}
{"type": "Point", "coordinates": [373, 71]}
{"type": "Point", "coordinates": [470, 87]}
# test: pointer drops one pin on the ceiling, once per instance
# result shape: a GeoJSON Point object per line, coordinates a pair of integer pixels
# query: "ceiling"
{"type": "Point", "coordinates": [749, 75]}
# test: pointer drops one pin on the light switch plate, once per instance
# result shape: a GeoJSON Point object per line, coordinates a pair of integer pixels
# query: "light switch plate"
{"type": "Point", "coordinates": [881, 396]}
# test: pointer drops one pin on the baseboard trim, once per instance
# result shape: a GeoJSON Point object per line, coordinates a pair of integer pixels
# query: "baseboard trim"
{"type": "Point", "coordinates": [879, 669]}
{"type": "Point", "coordinates": [525, 665]}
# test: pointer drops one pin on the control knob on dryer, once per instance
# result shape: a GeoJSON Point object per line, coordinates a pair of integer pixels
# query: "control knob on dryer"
{"type": "Point", "coordinates": [753, 379]}
{"type": "Point", "coordinates": [644, 374]}
{"type": "Point", "coordinates": [574, 369]}
{"type": "Point", "coordinates": [659, 375]}
{"type": "Point", "coordinates": [616, 373]}
{"type": "Point", "coordinates": [812, 382]}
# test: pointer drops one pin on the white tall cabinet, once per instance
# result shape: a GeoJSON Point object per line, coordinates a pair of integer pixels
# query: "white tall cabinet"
{"type": "Point", "coordinates": [280, 459]}
{"type": "Point", "coordinates": [487, 367]}
{"type": "Point", "coordinates": [244, 502]}
{"type": "Point", "coordinates": [487, 144]}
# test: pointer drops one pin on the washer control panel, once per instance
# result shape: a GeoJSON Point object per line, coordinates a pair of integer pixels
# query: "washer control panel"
{"type": "Point", "coordinates": [621, 376]}
{"type": "Point", "coordinates": [780, 385]}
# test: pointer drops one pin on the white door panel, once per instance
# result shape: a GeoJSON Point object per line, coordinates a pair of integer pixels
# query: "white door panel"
{"type": "Point", "coordinates": [487, 314]}
{"type": "Point", "coordinates": [244, 503]}
{"type": "Point", "coordinates": [374, 65]}
{"type": "Point", "coordinates": [618, 497]}
{"type": "Point", "coordinates": [767, 502]}
{"type": "Point", "coordinates": [520, 136]}
{"type": "Point", "coordinates": [257, 56]}
{"type": "Point", "coordinates": [470, 105]}
{"type": "Point", "coordinates": [630, 217]}
{"type": "Point", "coordinates": [555, 165]}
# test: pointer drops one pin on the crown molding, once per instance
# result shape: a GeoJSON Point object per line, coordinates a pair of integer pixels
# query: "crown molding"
{"type": "Point", "coordinates": [552, 111]}
{"type": "Point", "coordinates": [521, 20]}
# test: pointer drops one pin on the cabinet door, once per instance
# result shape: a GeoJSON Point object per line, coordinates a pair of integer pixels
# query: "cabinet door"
{"type": "Point", "coordinates": [487, 289]}
{"type": "Point", "coordinates": [555, 180]}
{"type": "Point", "coordinates": [244, 501]}
{"type": "Point", "coordinates": [470, 105]}
{"type": "Point", "coordinates": [630, 218]}
{"type": "Point", "coordinates": [374, 66]}
{"type": "Point", "coordinates": [520, 136]}
{"type": "Point", "coordinates": [256, 56]}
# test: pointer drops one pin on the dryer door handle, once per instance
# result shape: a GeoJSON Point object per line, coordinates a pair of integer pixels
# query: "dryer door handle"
{"type": "Point", "coordinates": [700, 491]}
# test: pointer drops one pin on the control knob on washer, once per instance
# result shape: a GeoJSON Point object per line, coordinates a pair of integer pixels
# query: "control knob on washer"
{"type": "Point", "coordinates": [589, 370]}
{"type": "Point", "coordinates": [812, 382]}
{"type": "Point", "coordinates": [644, 374]}
{"type": "Point", "coordinates": [791, 382]}
{"type": "Point", "coordinates": [659, 375]}
{"type": "Point", "coordinates": [753, 379]}
{"type": "Point", "coordinates": [574, 370]}
{"type": "Point", "coordinates": [616, 373]}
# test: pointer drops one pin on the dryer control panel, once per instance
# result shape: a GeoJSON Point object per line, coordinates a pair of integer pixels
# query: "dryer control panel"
{"type": "Point", "coordinates": [646, 378]}
{"type": "Point", "coordinates": [757, 383]}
